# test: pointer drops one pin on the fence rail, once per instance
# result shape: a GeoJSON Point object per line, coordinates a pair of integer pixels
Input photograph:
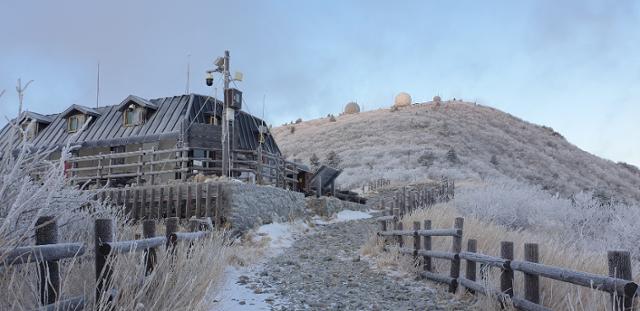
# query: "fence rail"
{"type": "Point", "coordinates": [155, 166]}
{"type": "Point", "coordinates": [618, 283]}
{"type": "Point", "coordinates": [47, 253]}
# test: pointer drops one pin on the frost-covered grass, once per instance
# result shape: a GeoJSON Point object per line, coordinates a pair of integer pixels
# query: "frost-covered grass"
{"type": "Point", "coordinates": [185, 280]}
{"type": "Point", "coordinates": [411, 144]}
{"type": "Point", "coordinates": [580, 221]}
{"type": "Point", "coordinates": [573, 233]}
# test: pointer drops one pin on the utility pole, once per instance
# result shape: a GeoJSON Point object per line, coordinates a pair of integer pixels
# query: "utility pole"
{"type": "Point", "coordinates": [226, 165]}
{"type": "Point", "coordinates": [232, 101]}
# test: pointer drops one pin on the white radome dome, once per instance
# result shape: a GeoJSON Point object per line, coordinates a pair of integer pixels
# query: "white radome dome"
{"type": "Point", "coordinates": [351, 108]}
{"type": "Point", "coordinates": [402, 100]}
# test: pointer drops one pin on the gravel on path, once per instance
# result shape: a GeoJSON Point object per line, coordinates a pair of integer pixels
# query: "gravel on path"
{"type": "Point", "coordinates": [323, 271]}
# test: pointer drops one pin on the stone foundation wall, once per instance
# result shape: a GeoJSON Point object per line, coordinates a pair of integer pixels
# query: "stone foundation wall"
{"type": "Point", "coordinates": [247, 206]}
{"type": "Point", "coordinates": [328, 206]}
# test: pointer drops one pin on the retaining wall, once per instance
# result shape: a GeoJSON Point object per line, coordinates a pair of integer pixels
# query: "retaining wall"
{"type": "Point", "coordinates": [247, 206]}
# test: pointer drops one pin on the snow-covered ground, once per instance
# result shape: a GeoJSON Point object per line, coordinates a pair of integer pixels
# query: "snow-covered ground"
{"type": "Point", "coordinates": [234, 295]}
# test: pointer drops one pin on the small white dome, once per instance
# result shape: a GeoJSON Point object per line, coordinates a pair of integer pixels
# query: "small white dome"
{"type": "Point", "coordinates": [402, 100]}
{"type": "Point", "coordinates": [351, 108]}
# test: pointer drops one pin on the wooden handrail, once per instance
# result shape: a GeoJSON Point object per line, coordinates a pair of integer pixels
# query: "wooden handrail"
{"type": "Point", "coordinates": [590, 280]}
{"type": "Point", "coordinates": [35, 253]}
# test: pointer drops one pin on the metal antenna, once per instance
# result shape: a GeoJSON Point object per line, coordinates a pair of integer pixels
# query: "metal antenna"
{"type": "Point", "coordinates": [21, 90]}
{"type": "Point", "coordinates": [188, 73]}
{"type": "Point", "coordinates": [264, 97]}
{"type": "Point", "coordinates": [98, 87]}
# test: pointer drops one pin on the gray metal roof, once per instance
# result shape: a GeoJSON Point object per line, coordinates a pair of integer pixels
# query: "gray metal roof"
{"type": "Point", "coordinates": [106, 128]}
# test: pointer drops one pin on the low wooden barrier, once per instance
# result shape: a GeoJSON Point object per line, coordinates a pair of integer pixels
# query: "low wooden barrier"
{"type": "Point", "coordinates": [182, 200]}
{"type": "Point", "coordinates": [48, 252]}
{"type": "Point", "coordinates": [618, 284]}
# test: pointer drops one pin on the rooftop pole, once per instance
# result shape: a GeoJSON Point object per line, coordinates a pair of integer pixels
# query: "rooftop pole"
{"type": "Point", "coordinates": [226, 165]}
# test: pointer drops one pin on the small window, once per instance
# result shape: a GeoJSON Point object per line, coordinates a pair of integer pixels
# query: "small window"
{"type": "Point", "coordinates": [213, 120]}
{"type": "Point", "coordinates": [132, 117]}
{"type": "Point", "coordinates": [118, 149]}
{"type": "Point", "coordinates": [73, 122]}
{"type": "Point", "coordinates": [31, 129]}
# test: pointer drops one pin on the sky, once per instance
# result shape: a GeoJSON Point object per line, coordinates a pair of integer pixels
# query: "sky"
{"type": "Point", "coordinates": [570, 65]}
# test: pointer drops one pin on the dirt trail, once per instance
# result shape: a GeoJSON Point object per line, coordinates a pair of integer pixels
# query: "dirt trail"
{"type": "Point", "coordinates": [323, 271]}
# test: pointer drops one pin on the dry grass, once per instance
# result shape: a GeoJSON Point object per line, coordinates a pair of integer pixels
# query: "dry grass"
{"type": "Point", "coordinates": [184, 279]}
{"type": "Point", "coordinates": [553, 251]}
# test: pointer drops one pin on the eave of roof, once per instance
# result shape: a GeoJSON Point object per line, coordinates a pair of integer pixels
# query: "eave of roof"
{"type": "Point", "coordinates": [82, 109]}
{"type": "Point", "coordinates": [138, 101]}
{"type": "Point", "coordinates": [35, 116]}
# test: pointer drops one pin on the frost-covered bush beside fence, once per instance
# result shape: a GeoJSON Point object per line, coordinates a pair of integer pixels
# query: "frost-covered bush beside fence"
{"type": "Point", "coordinates": [582, 221]}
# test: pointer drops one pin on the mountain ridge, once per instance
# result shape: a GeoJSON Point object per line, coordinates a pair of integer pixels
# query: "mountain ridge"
{"type": "Point", "coordinates": [460, 140]}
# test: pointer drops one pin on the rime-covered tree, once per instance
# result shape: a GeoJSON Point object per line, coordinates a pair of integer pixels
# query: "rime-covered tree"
{"type": "Point", "coordinates": [452, 156]}
{"type": "Point", "coordinates": [494, 160]}
{"type": "Point", "coordinates": [314, 161]}
{"type": "Point", "coordinates": [427, 159]}
{"type": "Point", "coordinates": [333, 159]}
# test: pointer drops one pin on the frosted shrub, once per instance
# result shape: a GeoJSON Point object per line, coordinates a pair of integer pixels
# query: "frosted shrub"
{"type": "Point", "coordinates": [582, 220]}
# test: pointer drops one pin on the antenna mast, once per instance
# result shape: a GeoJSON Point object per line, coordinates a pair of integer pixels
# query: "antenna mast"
{"type": "Point", "coordinates": [188, 73]}
{"type": "Point", "coordinates": [98, 87]}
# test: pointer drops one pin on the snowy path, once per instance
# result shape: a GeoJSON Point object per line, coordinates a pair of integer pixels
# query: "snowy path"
{"type": "Point", "coordinates": [323, 271]}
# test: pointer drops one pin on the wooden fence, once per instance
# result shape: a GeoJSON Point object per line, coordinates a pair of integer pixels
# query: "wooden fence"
{"type": "Point", "coordinates": [47, 252]}
{"type": "Point", "coordinates": [408, 198]}
{"type": "Point", "coordinates": [157, 166]}
{"type": "Point", "coordinates": [376, 184]}
{"type": "Point", "coordinates": [182, 200]}
{"type": "Point", "coordinates": [618, 283]}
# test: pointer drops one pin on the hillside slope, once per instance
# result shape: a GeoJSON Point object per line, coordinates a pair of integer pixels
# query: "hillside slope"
{"type": "Point", "coordinates": [456, 139]}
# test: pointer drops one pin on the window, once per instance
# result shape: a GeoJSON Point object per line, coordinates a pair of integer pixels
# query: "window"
{"type": "Point", "coordinates": [214, 120]}
{"type": "Point", "coordinates": [29, 128]}
{"type": "Point", "coordinates": [73, 123]}
{"type": "Point", "coordinates": [132, 116]}
{"type": "Point", "coordinates": [118, 149]}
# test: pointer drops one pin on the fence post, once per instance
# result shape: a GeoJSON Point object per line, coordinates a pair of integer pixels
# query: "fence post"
{"type": "Point", "coordinates": [149, 231]}
{"type": "Point", "coordinates": [399, 226]}
{"type": "Point", "coordinates": [383, 225]}
{"type": "Point", "coordinates": [619, 263]}
{"type": "Point", "coordinates": [140, 167]}
{"type": "Point", "coordinates": [171, 227]}
{"type": "Point", "coordinates": [47, 233]}
{"type": "Point", "coordinates": [259, 166]}
{"type": "Point", "coordinates": [456, 248]}
{"type": "Point", "coordinates": [531, 281]}
{"type": "Point", "coordinates": [506, 277]}
{"type": "Point", "coordinates": [194, 225]}
{"type": "Point", "coordinates": [472, 247]}
{"type": "Point", "coordinates": [416, 241]}
{"type": "Point", "coordinates": [218, 212]}
{"type": "Point", "coordinates": [426, 244]}
{"type": "Point", "coordinates": [103, 232]}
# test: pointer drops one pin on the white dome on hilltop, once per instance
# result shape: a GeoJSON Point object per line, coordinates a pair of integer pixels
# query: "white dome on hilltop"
{"type": "Point", "coordinates": [351, 108]}
{"type": "Point", "coordinates": [402, 100]}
